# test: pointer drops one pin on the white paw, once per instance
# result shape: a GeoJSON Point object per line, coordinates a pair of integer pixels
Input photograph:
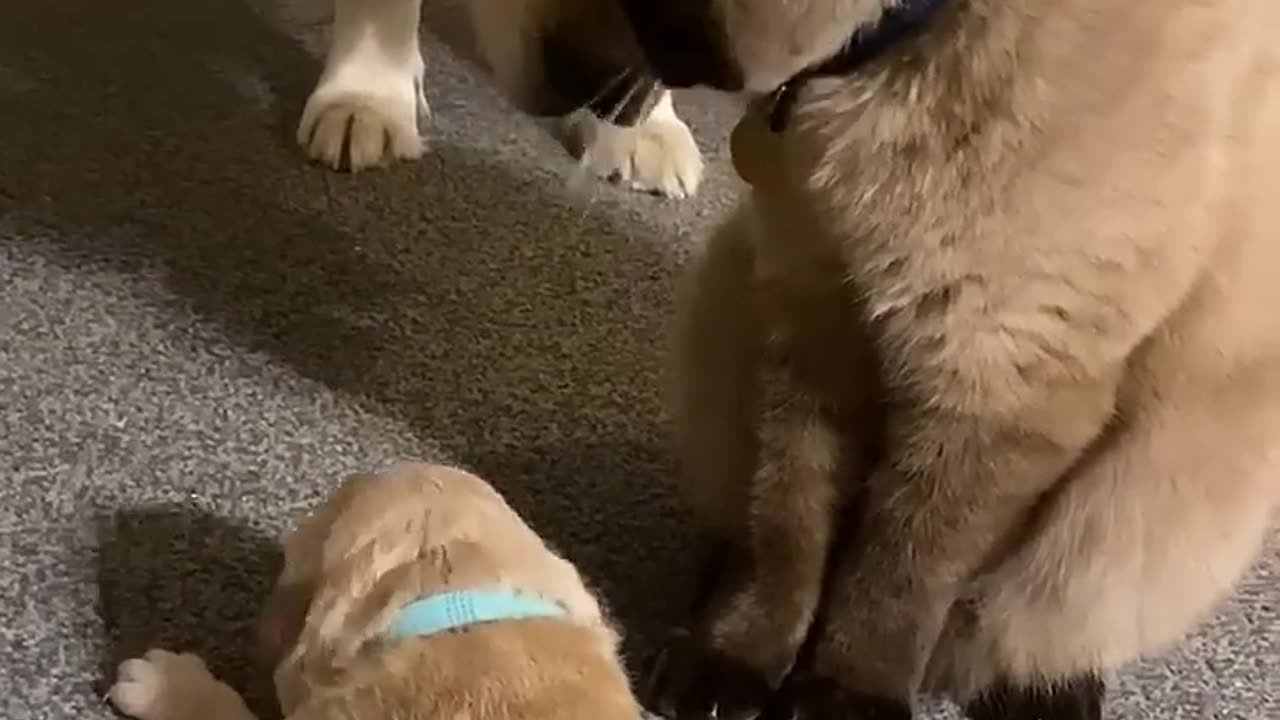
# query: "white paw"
{"type": "Point", "coordinates": [161, 686]}
{"type": "Point", "coordinates": [659, 155]}
{"type": "Point", "coordinates": [364, 113]}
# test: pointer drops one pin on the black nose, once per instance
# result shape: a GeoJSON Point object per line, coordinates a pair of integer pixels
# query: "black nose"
{"type": "Point", "coordinates": [684, 43]}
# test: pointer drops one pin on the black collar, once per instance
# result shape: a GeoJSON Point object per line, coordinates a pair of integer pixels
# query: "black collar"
{"type": "Point", "coordinates": [899, 22]}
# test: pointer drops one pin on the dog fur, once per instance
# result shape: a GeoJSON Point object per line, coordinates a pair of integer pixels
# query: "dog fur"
{"type": "Point", "coordinates": [378, 543]}
{"type": "Point", "coordinates": [366, 108]}
{"type": "Point", "coordinates": [979, 390]}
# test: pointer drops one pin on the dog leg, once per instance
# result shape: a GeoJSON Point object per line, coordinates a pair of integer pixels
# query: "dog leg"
{"type": "Point", "coordinates": [761, 605]}
{"type": "Point", "coordinates": [761, 460]}
{"type": "Point", "coordinates": [162, 685]}
{"type": "Point", "coordinates": [949, 490]}
{"type": "Point", "coordinates": [365, 109]}
{"type": "Point", "coordinates": [659, 155]}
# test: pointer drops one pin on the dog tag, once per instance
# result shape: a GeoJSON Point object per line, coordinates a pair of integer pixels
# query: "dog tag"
{"type": "Point", "coordinates": [757, 150]}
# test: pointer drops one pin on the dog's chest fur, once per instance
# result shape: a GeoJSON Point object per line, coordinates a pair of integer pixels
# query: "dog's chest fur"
{"type": "Point", "coordinates": [980, 189]}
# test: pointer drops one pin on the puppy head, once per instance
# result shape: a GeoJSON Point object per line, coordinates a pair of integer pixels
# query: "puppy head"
{"type": "Point", "coordinates": [370, 525]}
{"type": "Point", "coordinates": [302, 571]}
{"type": "Point", "coordinates": [383, 540]}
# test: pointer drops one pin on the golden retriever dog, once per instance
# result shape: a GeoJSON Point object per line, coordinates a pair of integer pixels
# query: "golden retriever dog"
{"type": "Point", "coordinates": [366, 108]}
{"type": "Point", "coordinates": [416, 593]}
{"type": "Point", "coordinates": [978, 391]}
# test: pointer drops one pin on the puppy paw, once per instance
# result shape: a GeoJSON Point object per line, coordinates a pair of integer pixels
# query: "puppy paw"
{"type": "Point", "coordinates": [816, 698]}
{"type": "Point", "coordinates": [364, 112]}
{"type": "Point", "coordinates": [659, 155]}
{"type": "Point", "coordinates": [162, 685]}
{"type": "Point", "coordinates": [690, 681]}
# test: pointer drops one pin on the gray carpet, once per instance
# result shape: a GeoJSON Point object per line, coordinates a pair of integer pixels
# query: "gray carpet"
{"type": "Point", "coordinates": [200, 332]}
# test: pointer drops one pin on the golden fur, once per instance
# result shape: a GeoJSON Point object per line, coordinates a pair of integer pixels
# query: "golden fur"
{"type": "Point", "coordinates": [1008, 297]}
{"type": "Point", "coordinates": [378, 543]}
{"type": "Point", "coordinates": [979, 389]}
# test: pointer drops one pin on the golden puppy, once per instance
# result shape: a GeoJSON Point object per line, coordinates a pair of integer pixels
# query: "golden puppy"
{"type": "Point", "coordinates": [980, 387]}
{"type": "Point", "coordinates": [415, 593]}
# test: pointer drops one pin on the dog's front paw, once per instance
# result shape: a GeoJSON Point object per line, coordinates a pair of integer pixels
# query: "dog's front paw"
{"type": "Point", "coordinates": [365, 112]}
{"type": "Point", "coordinates": [1079, 698]}
{"type": "Point", "coordinates": [824, 699]}
{"type": "Point", "coordinates": [659, 155]}
{"type": "Point", "coordinates": [690, 681]}
{"type": "Point", "coordinates": [162, 685]}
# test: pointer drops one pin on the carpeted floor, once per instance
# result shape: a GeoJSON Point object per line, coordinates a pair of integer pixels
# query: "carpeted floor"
{"type": "Point", "coordinates": [200, 332]}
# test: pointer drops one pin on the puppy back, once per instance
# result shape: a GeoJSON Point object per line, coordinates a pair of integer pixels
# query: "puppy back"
{"type": "Point", "coordinates": [541, 669]}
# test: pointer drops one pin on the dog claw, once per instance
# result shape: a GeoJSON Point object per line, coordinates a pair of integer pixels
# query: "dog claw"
{"type": "Point", "coordinates": [822, 699]}
{"type": "Point", "coordinates": [691, 682]}
{"type": "Point", "coordinates": [1077, 699]}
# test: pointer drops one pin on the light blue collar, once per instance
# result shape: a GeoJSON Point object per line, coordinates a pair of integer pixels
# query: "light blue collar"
{"type": "Point", "coordinates": [463, 608]}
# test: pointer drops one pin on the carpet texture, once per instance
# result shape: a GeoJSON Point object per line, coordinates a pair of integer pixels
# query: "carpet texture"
{"type": "Point", "coordinates": [200, 332]}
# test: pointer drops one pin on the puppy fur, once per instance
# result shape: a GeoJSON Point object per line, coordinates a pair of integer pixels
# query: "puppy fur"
{"type": "Point", "coordinates": [981, 389]}
{"type": "Point", "coordinates": [378, 543]}
{"type": "Point", "coordinates": [366, 108]}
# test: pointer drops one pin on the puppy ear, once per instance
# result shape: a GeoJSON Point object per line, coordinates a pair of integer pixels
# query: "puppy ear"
{"type": "Point", "coordinates": [282, 620]}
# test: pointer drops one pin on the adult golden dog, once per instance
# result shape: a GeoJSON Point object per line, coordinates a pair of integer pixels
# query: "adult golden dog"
{"type": "Point", "coordinates": [385, 608]}
{"type": "Point", "coordinates": [979, 389]}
